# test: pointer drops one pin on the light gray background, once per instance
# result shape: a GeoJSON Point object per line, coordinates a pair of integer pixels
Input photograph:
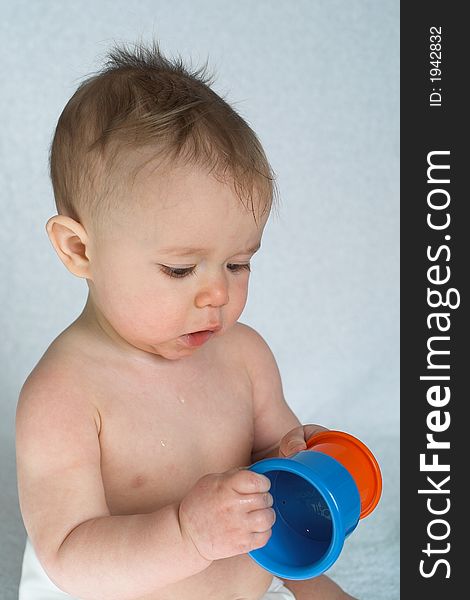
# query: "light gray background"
{"type": "Point", "coordinates": [318, 80]}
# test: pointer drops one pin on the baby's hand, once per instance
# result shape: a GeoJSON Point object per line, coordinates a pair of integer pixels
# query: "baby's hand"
{"type": "Point", "coordinates": [296, 440]}
{"type": "Point", "coordinates": [228, 513]}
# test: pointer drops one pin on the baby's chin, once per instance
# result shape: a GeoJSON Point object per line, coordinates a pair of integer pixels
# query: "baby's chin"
{"type": "Point", "coordinates": [171, 351]}
{"type": "Point", "coordinates": [175, 349]}
{"type": "Point", "coordinates": [163, 353]}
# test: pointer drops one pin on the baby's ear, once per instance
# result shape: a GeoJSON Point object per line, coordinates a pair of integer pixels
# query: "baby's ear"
{"type": "Point", "coordinates": [70, 241]}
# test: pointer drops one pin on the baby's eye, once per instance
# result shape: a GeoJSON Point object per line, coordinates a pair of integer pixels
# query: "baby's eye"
{"type": "Point", "coordinates": [242, 267]}
{"type": "Point", "coordinates": [177, 271]}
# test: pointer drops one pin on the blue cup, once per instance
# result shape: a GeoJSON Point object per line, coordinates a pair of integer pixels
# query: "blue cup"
{"type": "Point", "coordinates": [317, 506]}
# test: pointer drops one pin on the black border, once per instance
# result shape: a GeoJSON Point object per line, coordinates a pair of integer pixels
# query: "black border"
{"type": "Point", "coordinates": [424, 129]}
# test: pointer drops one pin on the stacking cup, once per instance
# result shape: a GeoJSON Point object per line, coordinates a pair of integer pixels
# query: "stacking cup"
{"type": "Point", "coordinates": [319, 496]}
{"type": "Point", "coordinates": [356, 457]}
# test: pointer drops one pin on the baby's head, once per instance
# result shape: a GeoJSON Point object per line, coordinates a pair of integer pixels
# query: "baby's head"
{"type": "Point", "coordinates": [163, 192]}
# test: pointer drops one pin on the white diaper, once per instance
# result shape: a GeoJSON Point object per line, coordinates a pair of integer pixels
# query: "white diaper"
{"type": "Point", "coordinates": [36, 585]}
{"type": "Point", "coordinates": [34, 582]}
{"type": "Point", "coordinates": [278, 591]}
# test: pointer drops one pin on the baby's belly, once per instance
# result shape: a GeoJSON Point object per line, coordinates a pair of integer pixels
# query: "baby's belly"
{"type": "Point", "coordinates": [236, 578]}
{"type": "Point", "coordinates": [155, 449]}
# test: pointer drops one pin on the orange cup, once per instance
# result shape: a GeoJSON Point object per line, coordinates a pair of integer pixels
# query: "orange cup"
{"type": "Point", "coordinates": [357, 459]}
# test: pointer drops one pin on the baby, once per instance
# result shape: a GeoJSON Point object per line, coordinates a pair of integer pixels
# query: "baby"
{"type": "Point", "coordinates": [135, 428]}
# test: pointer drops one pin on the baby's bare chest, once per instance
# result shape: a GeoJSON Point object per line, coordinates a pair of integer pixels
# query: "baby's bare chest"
{"type": "Point", "coordinates": [159, 435]}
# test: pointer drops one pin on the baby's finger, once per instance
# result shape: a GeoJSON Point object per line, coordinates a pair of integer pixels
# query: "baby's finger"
{"type": "Point", "coordinates": [256, 501]}
{"type": "Point", "coordinates": [261, 520]}
{"type": "Point", "coordinates": [258, 540]}
{"type": "Point", "coordinates": [293, 442]}
{"type": "Point", "coordinates": [249, 482]}
{"type": "Point", "coordinates": [311, 430]}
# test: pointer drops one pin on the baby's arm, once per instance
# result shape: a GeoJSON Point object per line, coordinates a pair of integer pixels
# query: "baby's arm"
{"type": "Point", "coordinates": [273, 418]}
{"type": "Point", "coordinates": [86, 551]}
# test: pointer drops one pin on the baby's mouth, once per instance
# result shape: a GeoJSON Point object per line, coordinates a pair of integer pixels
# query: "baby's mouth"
{"type": "Point", "coordinates": [197, 338]}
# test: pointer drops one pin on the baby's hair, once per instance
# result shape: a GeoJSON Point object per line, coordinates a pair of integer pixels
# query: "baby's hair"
{"type": "Point", "coordinates": [141, 107]}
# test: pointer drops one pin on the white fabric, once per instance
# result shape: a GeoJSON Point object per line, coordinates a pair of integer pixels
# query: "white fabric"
{"type": "Point", "coordinates": [36, 585]}
{"type": "Point", "coordinates": [34, 582]}
{"type": "Point", "coordinates": [278, 591]}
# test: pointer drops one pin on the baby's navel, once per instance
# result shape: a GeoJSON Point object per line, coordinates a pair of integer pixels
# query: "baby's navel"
{"type": "Point", "coordinates": [138, 481]}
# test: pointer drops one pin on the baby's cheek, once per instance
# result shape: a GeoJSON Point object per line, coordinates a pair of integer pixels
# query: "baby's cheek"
{"type": "Point", "coordinates": [234, 309]}
{"type": "Point", "coordinates": [130, 313]}
{"type": "Point", "coordinates": [163, 316]}
{"type": "Point", "coordinates": [149, 318]}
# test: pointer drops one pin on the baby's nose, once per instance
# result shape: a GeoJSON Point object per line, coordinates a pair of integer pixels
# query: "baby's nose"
{"type": "Point", "coordinates": [213, 292]}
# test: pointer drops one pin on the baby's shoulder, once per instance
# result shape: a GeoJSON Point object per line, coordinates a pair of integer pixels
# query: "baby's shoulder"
{"type": "Point", "coordinates": [63, 357]}
{"type": "Point", "coordinates": [56, 382]}
{"type": "Point", "coordinates": [244, 342]}
{"type": "Point", "coordinates": [243, 334]}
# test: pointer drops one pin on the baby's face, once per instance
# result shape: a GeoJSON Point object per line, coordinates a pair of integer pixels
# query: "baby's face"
{"type": "Point", "coordinates": [176, 267]}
